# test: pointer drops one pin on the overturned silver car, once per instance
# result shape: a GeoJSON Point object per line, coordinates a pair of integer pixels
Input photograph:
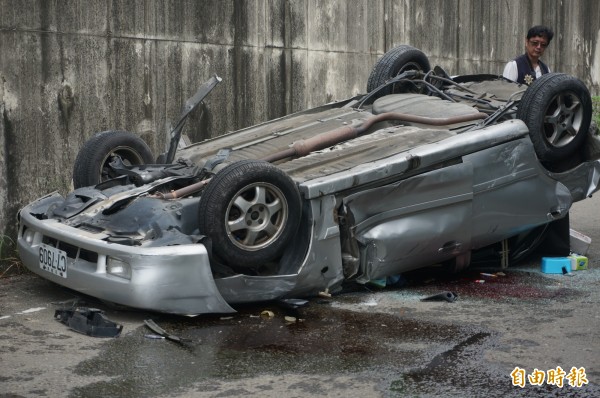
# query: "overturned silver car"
{"type": "Point", "coordinates": [424, 169]}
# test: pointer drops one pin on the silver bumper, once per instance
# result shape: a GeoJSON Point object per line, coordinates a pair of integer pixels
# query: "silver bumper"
{"type": "Point", "coordinates": [173, 279]}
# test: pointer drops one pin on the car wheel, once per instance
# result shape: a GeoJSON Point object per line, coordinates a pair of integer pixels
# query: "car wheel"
{"type": "Point", "coordinates": [92, 162]}
{"type": "Point", "coordinates": [250, 210]}
{"type": "Point", "coordinates": [394, 62]}
{"type": "Point", "coordinates": [557, 109]}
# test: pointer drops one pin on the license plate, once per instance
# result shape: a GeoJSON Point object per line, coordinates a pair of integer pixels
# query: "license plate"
{"type": "Point", "coordinates": [53, 260]}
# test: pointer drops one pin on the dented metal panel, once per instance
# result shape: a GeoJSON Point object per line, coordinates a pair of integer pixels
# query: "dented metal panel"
{"type": "Point", "coordinates": [582, 181]}
{"type": "Point", "coordinates": [513, 192]}
{"type": "Point", "coordinates": [444, 147]}
{"type": "Point", "coordinates": [180, 276]}
{"type": "Point", "coordinates": [420, 220]}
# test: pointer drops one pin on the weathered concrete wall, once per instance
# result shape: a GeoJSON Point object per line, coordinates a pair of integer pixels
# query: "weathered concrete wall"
{"type": "Point", "coordinates": [69, 68]}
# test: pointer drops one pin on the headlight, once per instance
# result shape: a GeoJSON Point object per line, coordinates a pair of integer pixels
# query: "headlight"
{"type": "Point", "coordinates": [28, 236]}
{"type": "Point", "coordinates": [118, 268]}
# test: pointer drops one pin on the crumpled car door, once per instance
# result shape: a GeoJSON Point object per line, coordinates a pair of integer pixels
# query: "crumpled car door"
{"type": "Point", "coordinates": [413, 222]}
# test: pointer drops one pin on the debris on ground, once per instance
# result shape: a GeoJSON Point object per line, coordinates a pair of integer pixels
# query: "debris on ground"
{"type": "Point", "coordinates": [267, 314]}
{"type": "Point", "coordinates": [444, 296]}
{"type": "Point", "coordinates": [161, 332]}
{"type": "Point", "coordinates": [556, 265]}
{"type": "Point", "coordinates": [154, 337]}
{"type": "Point", "coordinates": [292, 303]}
{"type": "Point", "coordinates": [89, 321]}
{"type": "Point", "coordinates": [486, 274]}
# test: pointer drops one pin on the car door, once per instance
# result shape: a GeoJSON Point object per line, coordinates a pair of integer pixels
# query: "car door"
{"type": "Point", "coordinates": [417, 221]}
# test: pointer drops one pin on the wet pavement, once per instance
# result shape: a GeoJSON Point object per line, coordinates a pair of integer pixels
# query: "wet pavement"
{"type": "Point", "coordinates": [365, 342]}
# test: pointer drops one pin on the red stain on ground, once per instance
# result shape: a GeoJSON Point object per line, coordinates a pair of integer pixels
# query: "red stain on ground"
{"type": "Point", "coordinates": [511, 285]}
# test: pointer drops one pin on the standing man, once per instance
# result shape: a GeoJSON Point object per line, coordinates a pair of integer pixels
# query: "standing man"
{"type": "Point", "coordinates": [527, 67]}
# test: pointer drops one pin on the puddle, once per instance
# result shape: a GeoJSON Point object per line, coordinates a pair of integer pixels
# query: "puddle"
{"type": "Point", "coordinates": [325, 341]}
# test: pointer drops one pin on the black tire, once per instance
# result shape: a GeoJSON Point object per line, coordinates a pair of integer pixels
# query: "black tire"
{"type": "Point", "coordinates": [251, 211]}
{"type": "Point", "coordinates": [92, 162]}
{"type": "Point", "coordinates": [394, 62]}
{"type": "Point", "coordinates": [557, 109]}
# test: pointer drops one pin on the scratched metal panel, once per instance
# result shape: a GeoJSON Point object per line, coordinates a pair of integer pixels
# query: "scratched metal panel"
{"type": "Point", "coordinates": [421, 220]}
{"type": "Point", "coordinates": [512, 192]}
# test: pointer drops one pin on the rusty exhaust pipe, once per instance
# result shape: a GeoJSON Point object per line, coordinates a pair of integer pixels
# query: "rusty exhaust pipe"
{"type": "Point", "coordinates": [345, 133]}
{"type": "Point", "coordinates": [334, 137]}
{"type": "Point", "coordinates": [181, 192]}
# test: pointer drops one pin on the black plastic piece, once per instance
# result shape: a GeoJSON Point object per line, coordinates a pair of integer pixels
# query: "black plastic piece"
{"type": "Point", "coordinates": [88, 321]}
{"type": "Point", "coordinates": [219, 158]}
{"type": "Point", "coordinates": [161, 332]}
{"type": "Point", "coordinates": [448, 296]}
{"type": "Point", "coordinates": [292, 303]}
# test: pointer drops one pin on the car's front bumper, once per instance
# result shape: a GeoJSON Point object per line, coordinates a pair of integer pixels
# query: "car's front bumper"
{"type": "Point", "coordinates": [173, 279]}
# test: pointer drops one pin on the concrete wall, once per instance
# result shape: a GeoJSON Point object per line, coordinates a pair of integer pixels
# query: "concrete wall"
{"type": "Point", "coordinates": [69, 68]}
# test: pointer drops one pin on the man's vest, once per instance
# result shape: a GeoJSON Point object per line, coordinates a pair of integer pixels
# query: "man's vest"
{"type": "Point", "coordinates": [526, 72]}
